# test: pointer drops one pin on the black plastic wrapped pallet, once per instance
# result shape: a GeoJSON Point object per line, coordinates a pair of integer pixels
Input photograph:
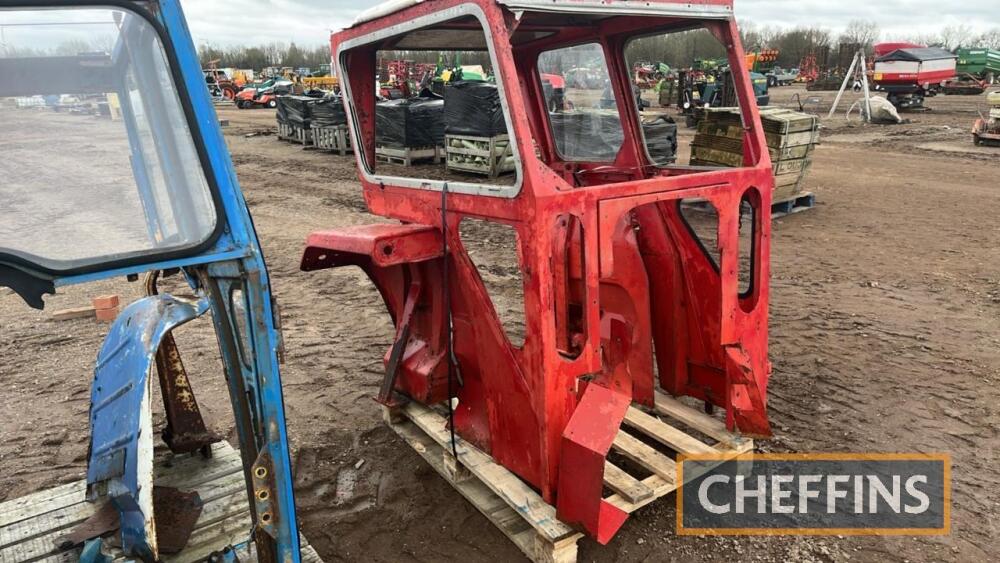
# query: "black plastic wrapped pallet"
{"type": "Point", "coordinates": [328, 112]}
{"type": "Point", "coordinates": [473, 108]}
{"type": "Point", "coordinates": [661, 139]}
{"type": "Point", "coordinates": [282, 114]}
{"type": "Point", "coordinates": [295, 110]}
{"type": "Point", "coordinates": [412, 123]}
{"type": "Point", "coordinates": [587, 135]}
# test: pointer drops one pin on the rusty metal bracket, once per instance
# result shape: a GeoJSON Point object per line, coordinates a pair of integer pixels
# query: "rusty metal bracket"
{"type": "Point", "coordinates": [264, 494]}
{"type": "Point", "coordinates": [385, 395]}
{"type": "Point", "coordinates": [186, 431]}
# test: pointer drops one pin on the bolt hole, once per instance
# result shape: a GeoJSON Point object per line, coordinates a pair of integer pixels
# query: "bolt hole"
{"type": "Point", "coordinates": [263, 495]}
{"type": "Point", "coordinates": [387, 250]}
{"type": "Point", "coordinates": [266, 517]}
{"type": "Point", "coordinates": [260, 472]}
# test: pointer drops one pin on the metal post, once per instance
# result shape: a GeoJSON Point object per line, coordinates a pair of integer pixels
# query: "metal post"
{"type": "Point", "coordinates": [847, 78]}
{"type": "Point", "coordinates": [864, 83]}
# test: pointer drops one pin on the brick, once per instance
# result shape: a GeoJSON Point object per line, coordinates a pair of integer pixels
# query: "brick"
{"type": "Point", "coordinates": [107, 315]}
{"type": "Point", "coordinates": [106, 302]}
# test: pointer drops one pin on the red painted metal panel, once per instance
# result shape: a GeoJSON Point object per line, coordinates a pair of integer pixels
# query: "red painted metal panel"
{"type": "Point", "coordinates": [586, 441]}
{"type": "Point", "coordinates": [610, 269]}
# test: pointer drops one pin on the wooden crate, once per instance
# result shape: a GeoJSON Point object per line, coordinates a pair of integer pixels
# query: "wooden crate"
{"type": "Point", "coordinates": [407, 156]}
{"type": "Point", "coordinates": [777, 120]}
{"type": "Point", "coordinates": [708, 156]}
{"type": "Point", "coordinates": [791, 137]}
{"type": "Point", "coordinates": [774, 140]}
{"type": "Point", "coordinates": [489, 156]}
{"type": "Point", "coordinates": [521, 514]}
{"type": "Point", "coordinates": [301, 135]}
{"type": "Point", "coordinates": [286, 132]}
{"type": "Point", "coordinates": [735, 146]}
{"type": "Point", "coordinates": [336, 139]}
{"type": "Point", "coordinates": [30, 526]}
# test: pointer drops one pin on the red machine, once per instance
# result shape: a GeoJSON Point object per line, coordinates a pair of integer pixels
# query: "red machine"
{"type": "Point", "coordinates": [909, 74]}
{"type": "Point", "coordinates": [808, 69]}
{"type": "Point", "coordinates": [882, 49]}
{"type": "Point", "coordinates": [621, 299]}
{"type": "Point", "coordinates": [265, 95]}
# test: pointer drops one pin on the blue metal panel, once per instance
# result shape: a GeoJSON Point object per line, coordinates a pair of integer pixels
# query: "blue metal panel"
{"type": "Point", "coordinates": [240, 228]}
{"type": "Point", "coordinates": [238, 243]}
{"type": "Point", "coordinates": [119, 405]}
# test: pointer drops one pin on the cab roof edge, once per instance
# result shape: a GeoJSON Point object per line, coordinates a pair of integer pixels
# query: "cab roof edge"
{"type": "Point", "coordinates": [707, 9]}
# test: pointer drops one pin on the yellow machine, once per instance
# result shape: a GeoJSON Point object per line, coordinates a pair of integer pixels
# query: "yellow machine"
{"type": "Point", "coordinates": [321, 82]}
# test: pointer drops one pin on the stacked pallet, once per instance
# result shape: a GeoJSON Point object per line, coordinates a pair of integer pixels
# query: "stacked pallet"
{"type": "Point", "coordinates": [294, 116]}
{"type": "Point", "coordinates": [791, 137]}
{"type": "Point", "coordinates": [329, 125]}
{"type": "Point", "coordinates": [476, 140]}
{"type": "Point", "coordinates": [489, 156]}
{"type": "Point", "coordinates": [409, 130]}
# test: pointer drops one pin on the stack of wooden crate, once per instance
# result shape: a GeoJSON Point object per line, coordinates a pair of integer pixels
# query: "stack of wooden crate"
{"type": "Point", "coordinates": [791, 137]}
{"type": "Point", "coordinates": [329, 125]}
{"type": "Point", "coordinates": [489, 156]}
{"type": "Point", "coordinates": [409, 130]}
{"type": "Point", "coordinates": [476, 138]}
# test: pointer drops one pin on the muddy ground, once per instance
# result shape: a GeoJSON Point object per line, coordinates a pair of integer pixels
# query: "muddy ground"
{"type": "Point", "coordinates": [885, 310]}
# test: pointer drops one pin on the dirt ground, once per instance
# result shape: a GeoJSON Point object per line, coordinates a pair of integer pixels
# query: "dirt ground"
{"type": "Point", "coordinates": [885, 337]}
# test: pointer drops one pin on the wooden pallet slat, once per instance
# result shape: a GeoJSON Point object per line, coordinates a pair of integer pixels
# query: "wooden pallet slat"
{"type": "Point", "coordinates": [336, 139]}
{"type": "Point", "coordinates": [509, 521]}
{"type": "Point", "coordinates": [517, 493]}
{"type": "Point", "coordinates": [488, 156]}
{"type": "Point", "coordinates": [616, 479]}
{"type": "Point", "coordinates": [666, 434]}
{"type": "Point", "coordinates": [795, 204]}
{"type": "Point", "coordinates": [407, 156]}
{"type": "Point", "coordinates": [40, 502]}
{"type": "Point", "coordinates": [639, 452]}
{"type": "Point", "coordinates": [521, 514]}
{"type": "Point", "coordinates": [32, 525]}
{"type": "Point", "coordinates": [51, 525]}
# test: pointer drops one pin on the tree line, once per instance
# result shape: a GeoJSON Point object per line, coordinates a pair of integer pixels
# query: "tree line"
{"type": "Point", "coordinates": [257, 57]}
{"type": "Point", "coordinates": [678, 50]}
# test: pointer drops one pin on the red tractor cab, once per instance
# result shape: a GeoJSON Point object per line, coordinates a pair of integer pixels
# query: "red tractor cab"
{"type": "Point", "coordinates": [623, 302]}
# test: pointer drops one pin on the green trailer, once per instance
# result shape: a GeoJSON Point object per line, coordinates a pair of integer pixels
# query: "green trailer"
{"type": "Point", "coordinates": [984, 63]}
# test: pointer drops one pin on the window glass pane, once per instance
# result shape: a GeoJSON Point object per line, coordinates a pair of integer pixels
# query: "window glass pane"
{"type": "Point", "coordinates": [98, 160]}
{"type": "Point", "coordinates": [582, 110]}
{"type": "Point", "coordinates": [681, 78]}
{"type": "Point", "coordinates": [439, 113]}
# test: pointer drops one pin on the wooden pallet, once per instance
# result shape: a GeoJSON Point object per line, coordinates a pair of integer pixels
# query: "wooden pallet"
{"type": "Point", "coordinates": [300, 135]}
{"type": "Point", "coordinates": [408, 156]}
{"type": "Point", "coordinates": [522, 515]}
{"type": "Point", "coordinates": [336, 139]}
{"type": "Point", "coordinates": [488, 156]}
{"type": "Point", "coordinates": [286, 132]}
{"type": "Point", "coordinates": [30, 526]}
{"type": "Point", "coordinates": [800, 202]}
{"type": "Point", "coordinates": [785, 206]}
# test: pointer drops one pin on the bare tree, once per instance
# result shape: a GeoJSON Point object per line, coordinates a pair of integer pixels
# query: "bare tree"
{"type": "Point", "coordinates": [955, 36]}
{"type": "Point", "coordinates": [990, 39]}
{"type": "Point", "coordinates": [260, 56]}
{"type": "Point", "coordinates": [863, 32]}
{"type": "Point", "coordinates": [928, 39]}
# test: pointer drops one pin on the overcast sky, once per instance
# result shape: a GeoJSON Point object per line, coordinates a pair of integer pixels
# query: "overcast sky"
{"type": "Point", "coordinates": [308, 22]}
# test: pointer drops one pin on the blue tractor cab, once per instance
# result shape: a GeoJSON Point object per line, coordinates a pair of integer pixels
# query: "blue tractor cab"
{"type": "Point", "coordinates": [163, 198]}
